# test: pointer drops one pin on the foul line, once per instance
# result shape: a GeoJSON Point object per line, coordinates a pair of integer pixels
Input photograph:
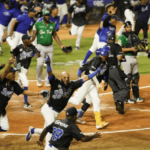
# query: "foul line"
{"type": "Point", "coordinates": [106, 132]}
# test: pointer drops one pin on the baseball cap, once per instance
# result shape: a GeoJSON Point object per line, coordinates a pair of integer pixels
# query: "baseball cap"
{"type": "Point", "coordinates": [12, 69]}
{"type": "Point", "coordinates": [24, 37]}
{"type": "Point", "coordinates": [111, 37]}
{"type": "Point", "coordinates": [128, 23]}
{"type": "Point", "coordinates": [46, 12]}
{"type": "Point", "coordinates": [108, 5]}
{"type": "Point", "coordinates": [31, 10]}
{"type": "Point", "coordinates": [38, 5]}
{"type": "Point", "coordinates": [71, 111]}
{"type": "Point", "coordinates": [104, 51]}
{"type": "Point", "coordinates": [115, 17]}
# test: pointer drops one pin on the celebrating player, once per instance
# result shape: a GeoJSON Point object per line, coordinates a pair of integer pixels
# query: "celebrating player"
{"type": "Point", "coordinates": [63, 131]}
{"type": "Point", "coordinates": [8, 86]}
{"type": "Point", "coordinates": [90, 88]}
{"type": "Point", "coordinates": [81, 13]}
{"type": "Point", "coordinates": [45, 30]}
{"type": "Point", "coordinates": [129, 42]}
{"type": "Point", "coordinates": [23, 54]}
{"type": "Point", "coordinates": [61, 91]}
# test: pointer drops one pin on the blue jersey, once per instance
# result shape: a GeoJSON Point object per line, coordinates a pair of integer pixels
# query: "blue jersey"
{"type": "Point", "coordinates": [107, 29]}
{"type": "Point", "coordinates": [61, 2]}
{"type": "Point", "coordinates": [103, 18]}
{"type": "Point", "coordinates": [5, 15]}
{"type": "Point", "coordinates": [24, 23]}
{"type": "Point", "coordinates": [54, 20]}
{"type": "Point", "coordinates": [143, 12]}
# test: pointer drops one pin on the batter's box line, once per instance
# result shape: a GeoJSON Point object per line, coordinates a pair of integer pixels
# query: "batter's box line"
{"type": "Point", "coordinates": [106, 132]}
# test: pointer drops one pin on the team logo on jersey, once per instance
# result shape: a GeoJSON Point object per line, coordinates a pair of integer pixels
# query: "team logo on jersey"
{"type": "Point", "coordinates": [51, 27]}
{"type": "Point", "coordinates": [144, 9]}
{"type": "Point", "coordinates": [25, 55]}
{"type": "Point", "coordinates": [7, 93]}
{"type": "Point", "coordinates": [78, 10]}
{"type": "Point", "coordinates": [42, 32]}
{"type": "Point", "coordinates": [31, 24]}
{"type": "Point", "coordinates": [58, 94]}
{"type": "Point", "coordinates": [6, 13]}
{"type": "Point", "coordinates": [21, 50]}
{"type": "Point", "coordinates": [49, 32]}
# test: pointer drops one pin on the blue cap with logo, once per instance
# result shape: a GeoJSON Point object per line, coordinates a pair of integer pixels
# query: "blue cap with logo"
{"type": "Point", "coordinates": [103, 51]}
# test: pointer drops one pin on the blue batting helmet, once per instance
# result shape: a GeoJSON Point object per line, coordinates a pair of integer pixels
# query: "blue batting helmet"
{"type": "Point", "coordinates": [103, 51]}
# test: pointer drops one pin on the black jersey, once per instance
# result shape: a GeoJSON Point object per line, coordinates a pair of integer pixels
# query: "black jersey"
{"type": "Point", "coordinates": [93, 65]}
{"type": "Point", "coordinates": [63, 131]}
{"type": "Point", "coordinates": [6, 92]}
{"type": "Point", "coordinates": [115, 50]}
{"type": "Point", "coordinates": [79, 14]}
{"type": "Point", "coordinates": [24, 55]}
{"type": "Point", "coordinates": [60, 93]}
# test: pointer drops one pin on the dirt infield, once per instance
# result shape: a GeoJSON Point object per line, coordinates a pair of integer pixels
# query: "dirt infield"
{"type": "Point", "coordinates": [136, 117]}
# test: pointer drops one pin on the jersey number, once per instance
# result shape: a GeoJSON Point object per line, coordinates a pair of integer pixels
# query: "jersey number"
{"type": "Point", "coordinates": [57, 133]}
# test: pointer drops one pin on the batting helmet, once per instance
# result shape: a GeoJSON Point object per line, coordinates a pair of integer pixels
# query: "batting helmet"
{"type": "Point", "coordinates": [103, 51]}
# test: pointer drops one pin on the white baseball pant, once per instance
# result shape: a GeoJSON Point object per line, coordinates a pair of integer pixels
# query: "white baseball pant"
{"type": "Point", "coordinates": [131, 65]}
{"type": "Point", "coordinates": [88, 90]}
{"type": "Point", "coordinates": [49, 116]}
{"type": "Point", "coordinates": [101, 44]}
{"type": "Point", "coordinates": [2, 32]}
{"type": "Point", "coordinates": [129, 17]}
{"type": "Point", "coordinates": [4, 124]}
{"type": "Point", "coordinates": [16, 40]}
{"type": "Point", "coordinates": [62, 10]}
{"type": "Point", "coordinates": [9, 26]}
{"type": "Point", "coordinates": [22, 77]}
{"type": "Point", "coordinates": [48, 147]}
{"type": "Point", "coordinates": [75, 30]}
{"type": "Point", "coordinates": [44, 50]}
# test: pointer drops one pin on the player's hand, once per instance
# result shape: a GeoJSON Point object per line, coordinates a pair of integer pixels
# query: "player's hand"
{"type": "Point", "coordinates": [11, 61]}
{"type": "Point", "coordinates": [97, 135]}
{"type": "Point", "coordinates": [40, 143]}
{"type": "Point", "coordinates": [62, 46]}
{"type": "Point", "coordinates": [113, 11]}
{"type": "Point", "coordinates": [37, 55]}
{"type": "Point", "coordinates": [134, 49]}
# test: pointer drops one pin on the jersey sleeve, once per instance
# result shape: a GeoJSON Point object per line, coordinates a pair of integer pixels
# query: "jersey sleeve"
{"type": "Point", "coordinates": [54, 81]}
{"type": "Point", "coordinates": [121, 41]}
{"type": "Point", "coordinates": [76, 84]}
{"type": "Point", "coordinates": [76, 132]}
{"type": "Point", "coordinates": [95, 64]}
{"type": "Point", "coordinates": [17, 88]}
{"type": "Point", "coordinates": [20, 18]}
{"type": "Point", "coordinates": [15, 51]}
{"type": "Point", "coordinates": [50, 128]}
{"type": "Point", "coordinates": [35, 50]}
{"type": "Point", "coordinates": [71, 9]}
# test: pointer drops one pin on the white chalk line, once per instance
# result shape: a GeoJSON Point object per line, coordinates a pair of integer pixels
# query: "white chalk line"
{"type": "Point", "coordinates": [105, 132]}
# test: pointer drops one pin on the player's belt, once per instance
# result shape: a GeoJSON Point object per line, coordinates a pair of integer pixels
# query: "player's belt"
{"type": "Point", "coordinates": [111, 67]}
{"type": "Point", "coordinates": [48, 44]}
{"type": "Point", "coordinates": [53, 108]}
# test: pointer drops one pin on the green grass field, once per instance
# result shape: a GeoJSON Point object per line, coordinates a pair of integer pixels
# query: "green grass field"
{"type": "Point", "coordinates": [59, 56]}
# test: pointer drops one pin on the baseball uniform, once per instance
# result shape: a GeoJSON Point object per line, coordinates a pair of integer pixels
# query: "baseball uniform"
{"type": "Point", "coordinates": [48, 4]}
{"type": "Point", "coordinates": [78, 21]}
{"type": "Point", "coordinates": [44, 45]}
{"type": "Point", "coordinates": [6, 93]}
{"type": "Point", "coordinates": [25, 23]}
{"type": "Point", "coordinates": [63, 131]}
{"type": "Point", "coordinates": [23, 56]}
{"type": "Point", "coordinates": [5, 17]}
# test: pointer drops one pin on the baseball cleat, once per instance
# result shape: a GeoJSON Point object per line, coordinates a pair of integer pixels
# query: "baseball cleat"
{"type": "Point", "coordinates": [102, 125]}
{"type": "Point", "coordinates": [80, 121]}
{"type": "Point", "coordinates": [27, 105]}
{"type": "Point", "coordinates": [77, 48]}
{"type": "Point", "coordinates": [39, 83]}
{"type": "Point", "coordinates": [47, 84]}
{"type": "Point", "coordinates": [1, 52]}
{"type": "Point", "coordinates": [119, 107]}
{"type": "Point", "coordinates": [4, 39]}
{"type": "Point", "coordinates": [130, 101]}
{"type": "Point", "coordinates": [29, 135]}
{"type": "Point", "coordinates": [140, 99]}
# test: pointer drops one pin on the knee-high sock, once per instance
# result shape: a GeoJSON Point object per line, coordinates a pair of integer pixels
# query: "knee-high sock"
{"type": "Point", "coordinates": [88, 54]}
{"type": "Point", "coordinates": [83, 109]}
{"type": "Point", "coordinates": [25, 96]}
{"type": "Point", "coordinates": [65, 19]}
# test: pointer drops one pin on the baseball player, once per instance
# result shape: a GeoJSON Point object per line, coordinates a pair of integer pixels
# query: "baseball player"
{"type": "Point", "coordinates": [129, 17]}
{"type": "Point", "coordinates": [129, 42]}
{"type": "Point", "coordinates": [143, 10]}
{"type": "Point", "coordinates": [23, 54]}
{"type": "Point", "coordinates": [24, 23]}
{"type": "Point", "coordinates": [109, 8]}
{"type": "Point", "coordinates": [64, 131]}
{"type": "Point", "coordinates": [90, 88]}
{"type": "Point", "coordinates": [6, 13]}
{"type": "Point", "coordinates": [81, 13]}
{"type": "Point", "coordinates": [63, 12]}
{"type": "Point", "coordinates": [44, 31]}
{"type": "Point", "coordinates": [61, 91]}
{"type": "Point", "coordinates": [8, 86]}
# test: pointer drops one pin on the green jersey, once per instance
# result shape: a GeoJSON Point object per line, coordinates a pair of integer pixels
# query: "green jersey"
{"type": "Point", "coordinates": [44, 33]}
{"type": "Point", "coordinates": [122, 41]}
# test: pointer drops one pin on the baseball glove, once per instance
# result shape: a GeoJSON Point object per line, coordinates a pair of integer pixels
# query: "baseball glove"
{"type": "Point", "coordinates": [67, 49]}
{"type": "Point", "coordinates": [45, 94]}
